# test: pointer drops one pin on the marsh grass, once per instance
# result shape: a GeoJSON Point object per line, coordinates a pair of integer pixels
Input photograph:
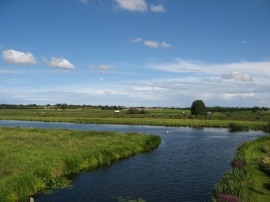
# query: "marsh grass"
{"type": "Point", "coordinates": [35, 159]}
{"type": "Point", "coordinates": [236, 127]}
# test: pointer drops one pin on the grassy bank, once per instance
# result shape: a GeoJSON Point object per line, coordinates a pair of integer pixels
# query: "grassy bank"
{"type": "Point", "coordinates": [249, 179]}
{"type": "Point", "coordinates": [34, 159]}
{"type": "Point", "coordinates": [165, 117]}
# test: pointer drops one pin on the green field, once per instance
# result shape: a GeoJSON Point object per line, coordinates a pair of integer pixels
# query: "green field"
{"type": "Point", "coordinates": [35, 159]}
{"type": "Point", "coordinates": [162, 117]}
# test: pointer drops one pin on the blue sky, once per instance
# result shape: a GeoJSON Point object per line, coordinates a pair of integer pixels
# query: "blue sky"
{"type": "Point", "coordinates": [135, 52]}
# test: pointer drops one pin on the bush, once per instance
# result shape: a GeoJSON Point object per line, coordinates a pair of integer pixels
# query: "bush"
{"type": "Point", "coordinates": [135, 111]}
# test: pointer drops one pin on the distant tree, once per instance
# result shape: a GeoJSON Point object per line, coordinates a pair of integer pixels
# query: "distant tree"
{"type": "Point", "coordinates": [198, 108]}
{"type": "Point", "coordinates": [133, 110]}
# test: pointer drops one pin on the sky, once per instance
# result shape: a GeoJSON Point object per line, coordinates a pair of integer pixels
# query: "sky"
{"type": "Point", "coordinates": [151, 53]}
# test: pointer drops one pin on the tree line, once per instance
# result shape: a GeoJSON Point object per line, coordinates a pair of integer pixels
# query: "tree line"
{"type": "Point", "coordinates": [64, 106]}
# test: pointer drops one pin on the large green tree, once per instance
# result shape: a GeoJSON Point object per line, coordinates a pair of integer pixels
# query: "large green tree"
{"type": "Point", "coordinates": [198, 108]}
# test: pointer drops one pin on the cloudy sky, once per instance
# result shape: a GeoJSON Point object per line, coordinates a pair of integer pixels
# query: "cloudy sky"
{"type": "Point", "coordinates": [135, 52]}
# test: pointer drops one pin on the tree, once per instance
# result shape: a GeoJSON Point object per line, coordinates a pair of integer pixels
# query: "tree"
{"type": "Point", "coordinates": [198, 108]}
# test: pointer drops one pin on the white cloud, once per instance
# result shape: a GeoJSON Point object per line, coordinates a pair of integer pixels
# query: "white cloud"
{"type": "Point", "coordinates": [60, 63]}
{"type": "Point", "coordinates": [189, 66]}
{"type": "Point", "coordinates": [18, 57]}
{"type": "Point", "coordinates": [165, 45]}
{"type": "Point", "coordinates": [84, 1]}
{"type": "Point", "coordinates": [104, 68]}
{"type": "Point", "coordinates": [132, 5]}
{"type": "Point", "coordinates": [151, 43]}
{"type": "Point", "coordinates": [137, 40]}
{"type": "Point", "coordinates": [237, 76]}
{"type": "Point", "coordinates": [237, 95]}
{"type": "Point", "coordinates": [157, 8]}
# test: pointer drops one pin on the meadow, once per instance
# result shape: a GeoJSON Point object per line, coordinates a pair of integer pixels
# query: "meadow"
{"type": "Point", "coordinates": [162, 117]}
{"type": "Point", "coordinates": [32, 160]}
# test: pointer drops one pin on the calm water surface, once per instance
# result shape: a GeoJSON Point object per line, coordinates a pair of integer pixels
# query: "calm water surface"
{"type": "Point", "coordinates": [184, 167]}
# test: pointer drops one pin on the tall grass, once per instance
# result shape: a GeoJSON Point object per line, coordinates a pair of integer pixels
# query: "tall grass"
{"type": "Point", "coordinates": [266, 127]}
{"type": "Point", "coordinates": [235, 127]}
{"type": "Point", "coordinates": [34, 159]}
{"type": "Point", "coordinates": [245, 181]}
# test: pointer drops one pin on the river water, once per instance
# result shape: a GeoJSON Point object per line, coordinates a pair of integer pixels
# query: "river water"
{"type": "Point", "coordinates": [184, 167]}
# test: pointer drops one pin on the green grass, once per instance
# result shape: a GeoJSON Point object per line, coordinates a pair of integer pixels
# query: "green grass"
{"type": "Point", "coordinates": [162, 117]}
{"type": "Point", "coordinates": [34, 159]}
{"type": "Point", "coordinates": [250, 183]}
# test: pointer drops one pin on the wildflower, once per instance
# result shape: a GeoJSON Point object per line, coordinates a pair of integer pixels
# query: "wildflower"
{"type": "Point", "coordinates": [238, 164]}
{"type": "Point", "coordinates": [228, 198]}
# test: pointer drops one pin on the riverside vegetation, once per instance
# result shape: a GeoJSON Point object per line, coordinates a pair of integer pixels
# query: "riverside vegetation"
{"type": "Point", "coordinates": [32, 160]}
{"type": "Point", "coordinates": [248, 180]}
{"type": "Point", "coordinates": [246, 119]}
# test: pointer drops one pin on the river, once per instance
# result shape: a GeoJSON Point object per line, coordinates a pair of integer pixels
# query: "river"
{"type": "Point", "coordinates": [183, 168]}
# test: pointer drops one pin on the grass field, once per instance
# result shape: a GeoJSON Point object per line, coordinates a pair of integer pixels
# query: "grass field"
{"type": "Point", "coordinates": [162, 117]}
{"type": "Point", "coordinates": [249, 178]}
{"type": "Point", "coordinates": [34, 159]}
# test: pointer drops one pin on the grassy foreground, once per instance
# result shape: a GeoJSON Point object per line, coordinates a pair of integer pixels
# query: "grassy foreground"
{"type": "Point", "coordinates": [249, 178]}
{"type": "Point", "coordinates": [34, 159]}
{"type": "Point", "coordinates": [161, 117]}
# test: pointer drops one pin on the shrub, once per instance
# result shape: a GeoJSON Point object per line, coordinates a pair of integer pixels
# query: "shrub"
{"type": "Point", "coordinates": [135, 111]}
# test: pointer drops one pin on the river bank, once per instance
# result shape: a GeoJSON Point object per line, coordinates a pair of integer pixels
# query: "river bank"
{"type": "Point", "coordinates": [166, 117]}
{"type": "Point", "coordinates": [35, 159]}
{"type": "Point", "coordinates": [248, 180]}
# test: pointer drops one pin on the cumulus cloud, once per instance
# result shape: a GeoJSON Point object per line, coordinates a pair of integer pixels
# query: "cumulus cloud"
{"type": "Point", "coordinates": [18, 57]}
{"type": "Point", "coordinates": [132, 5]}
{"type": "Point", "coordinates": [157, 8]}
{"type": "Point", "coordinates": [152, 43]}
{"type": "Point", "coordinates": [165, 45]}
{"type": "Point", "coordinates": [61, 63]}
